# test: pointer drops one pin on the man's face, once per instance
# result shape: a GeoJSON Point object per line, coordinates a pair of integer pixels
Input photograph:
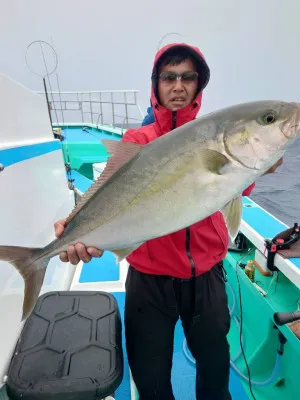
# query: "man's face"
{"type": "Point", "coordinates": [177, 93]}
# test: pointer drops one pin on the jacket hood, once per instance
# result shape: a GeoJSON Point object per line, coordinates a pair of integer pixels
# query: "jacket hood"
{"type": "Point", "coordinates": [164, 117]}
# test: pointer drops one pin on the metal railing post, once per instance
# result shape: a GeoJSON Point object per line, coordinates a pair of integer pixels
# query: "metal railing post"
{"type": "Point", "coordinates": [79, 99]}
{"type": "Point", "coordinates": [126, 108]}
{"type": "Point", "coordinates": [91, 108]}
{"type": "Point", "coordinates": [101, 110]}
{"type": "Point", "coordinates": [113, 108]}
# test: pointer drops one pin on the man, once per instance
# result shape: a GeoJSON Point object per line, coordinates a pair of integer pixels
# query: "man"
{"type": "Point", "coordinates": [179, 275]}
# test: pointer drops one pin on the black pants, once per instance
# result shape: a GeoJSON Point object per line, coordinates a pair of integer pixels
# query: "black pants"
{"type": "Point", "coordinates": [153, 306]}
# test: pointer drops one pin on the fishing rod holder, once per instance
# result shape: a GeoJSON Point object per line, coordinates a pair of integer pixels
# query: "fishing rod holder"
{"type": "Point", "coordinates": [283, 241]}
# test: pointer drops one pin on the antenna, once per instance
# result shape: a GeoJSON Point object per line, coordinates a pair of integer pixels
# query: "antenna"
{"type": "Point", "coordinates": [38, 65]}
{"type": "Point", "coordinates": [59, 92]}
{"type": "Point", "coordinates": [160, 43]}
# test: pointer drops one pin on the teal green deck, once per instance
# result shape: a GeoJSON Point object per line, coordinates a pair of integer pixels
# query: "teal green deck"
{"type": "Point", "coordinates": [83, 147]}
{"type": "Point", "coordinates": [260, 336]}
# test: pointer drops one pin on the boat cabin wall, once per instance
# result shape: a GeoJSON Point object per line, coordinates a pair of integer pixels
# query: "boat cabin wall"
{"type": "Point", "coordinates": [34, 194]}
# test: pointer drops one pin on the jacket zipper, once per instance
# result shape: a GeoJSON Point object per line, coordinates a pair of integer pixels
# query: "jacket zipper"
{"type": "Point", "coordinates": [188, 251]}
{"type": "Point", "coordinates": [174, 118]}
{"type": "Point", "coordinates": [188, 231]}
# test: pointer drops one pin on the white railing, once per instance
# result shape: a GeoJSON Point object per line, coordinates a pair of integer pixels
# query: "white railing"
{"type": "Point", "coordinates": [117, 108]}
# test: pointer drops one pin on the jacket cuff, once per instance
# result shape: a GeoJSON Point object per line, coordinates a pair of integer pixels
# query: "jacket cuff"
{"type": "Point", "coordinates": [249, 189]}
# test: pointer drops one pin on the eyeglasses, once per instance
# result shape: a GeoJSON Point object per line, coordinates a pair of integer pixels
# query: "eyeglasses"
{"type": "Point", "coordinates": [171, 76]}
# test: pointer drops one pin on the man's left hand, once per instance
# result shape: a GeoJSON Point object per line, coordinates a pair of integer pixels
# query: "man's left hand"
{"type": "Point", "coordinates": [273, 169]}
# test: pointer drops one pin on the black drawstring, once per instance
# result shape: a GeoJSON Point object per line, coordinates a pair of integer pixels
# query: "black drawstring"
{"type": "Point", "coordinates": [224, 273]}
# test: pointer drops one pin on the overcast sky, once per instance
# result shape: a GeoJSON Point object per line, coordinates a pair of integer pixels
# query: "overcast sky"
{"type": "Point", "coordinates": [252, 47]}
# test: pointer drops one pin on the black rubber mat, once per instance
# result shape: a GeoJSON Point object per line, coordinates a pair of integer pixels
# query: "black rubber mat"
{"type": "Point", "coordinates": [70, 349]}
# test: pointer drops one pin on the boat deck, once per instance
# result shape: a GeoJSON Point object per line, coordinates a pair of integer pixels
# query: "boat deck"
{"type": "Point", "coordinates": [183, 373]}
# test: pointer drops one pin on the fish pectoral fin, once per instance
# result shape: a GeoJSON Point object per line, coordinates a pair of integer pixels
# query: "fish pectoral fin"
{"type": "Point", "coordinates": [121, 254]}
{"type": "Point", "coordinates": [32, 270]}
{"type": "Point", "coordinates": [232, 213]}
{"type": "Point", "coordinates": [214, 161]}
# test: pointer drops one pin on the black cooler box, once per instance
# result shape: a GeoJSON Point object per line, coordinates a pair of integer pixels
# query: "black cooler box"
{"type": "Point", "coordinates": [70, 349]}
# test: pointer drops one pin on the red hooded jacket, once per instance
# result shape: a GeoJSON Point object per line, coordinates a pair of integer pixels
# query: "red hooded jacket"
{"type": "Point", "coordinates": [195, 249]}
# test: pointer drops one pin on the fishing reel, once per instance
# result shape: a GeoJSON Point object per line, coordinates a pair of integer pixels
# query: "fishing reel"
{"type": "Point", "coordinates": [282, 241]}
{"type": "Point", "coordinates": [239, 244]}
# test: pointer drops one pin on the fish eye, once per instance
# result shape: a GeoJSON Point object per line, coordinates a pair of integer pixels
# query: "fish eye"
{"type": "Point", "coordinates": [268, 118]}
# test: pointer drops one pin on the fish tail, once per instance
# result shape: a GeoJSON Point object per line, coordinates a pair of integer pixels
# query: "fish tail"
{"type": "Point", "coordinates": [32, 266]}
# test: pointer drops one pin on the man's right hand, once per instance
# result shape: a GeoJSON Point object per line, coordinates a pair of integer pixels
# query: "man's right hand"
{"type": "Point", "coordinates": [78, 252]}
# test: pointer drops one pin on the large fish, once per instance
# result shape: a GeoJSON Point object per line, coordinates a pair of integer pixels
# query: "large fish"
{"type": "Point", "coordinates": [179, 179]}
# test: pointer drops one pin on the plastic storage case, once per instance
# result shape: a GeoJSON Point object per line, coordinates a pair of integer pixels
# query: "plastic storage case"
{"type": "Point", "coordinates": [70, 349]}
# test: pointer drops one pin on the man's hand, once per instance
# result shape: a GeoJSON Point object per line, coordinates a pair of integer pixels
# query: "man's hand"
{"type": "Point", "coordinates": [78, 252]}
{"type": "Point", "coordinates": [273, 169]}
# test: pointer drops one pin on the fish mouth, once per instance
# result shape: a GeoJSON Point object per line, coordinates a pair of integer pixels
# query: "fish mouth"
{"type": "Point", "coordinates": [297, 129]}
{"type": "Point", "coordinates": [291, 129]}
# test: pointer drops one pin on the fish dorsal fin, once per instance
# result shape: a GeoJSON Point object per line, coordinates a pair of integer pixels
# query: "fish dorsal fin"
{"type": "Point", "coordinates": [121, 153]}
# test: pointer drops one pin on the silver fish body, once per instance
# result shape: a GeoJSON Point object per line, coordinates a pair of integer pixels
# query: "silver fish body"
{"type": "Point", "coordinates": [179, 179]}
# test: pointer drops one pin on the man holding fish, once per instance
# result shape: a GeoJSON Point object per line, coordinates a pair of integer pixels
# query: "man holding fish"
{"type": "Point", "coordinates": [179, 274]}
